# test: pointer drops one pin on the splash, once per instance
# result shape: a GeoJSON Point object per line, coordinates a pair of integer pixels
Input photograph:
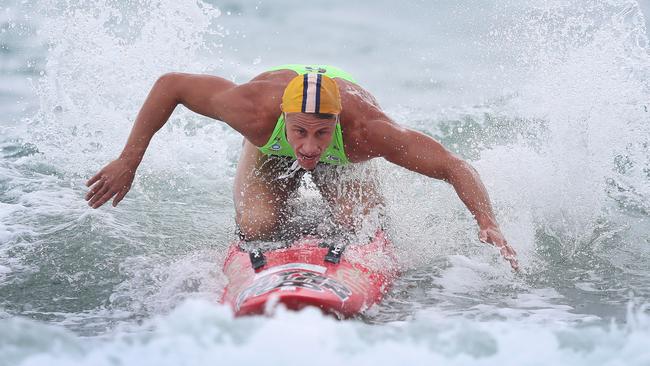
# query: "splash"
{"type": "Point", "coordinates": [103, 58]}
{"type": "Point", "coordinates": [202, 333]}
{"type": "Point", "coordinates": [587, 70]}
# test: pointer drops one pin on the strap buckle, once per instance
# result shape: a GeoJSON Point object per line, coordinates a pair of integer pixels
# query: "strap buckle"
{"type": "Point", "coordinates": [257, 258]}
{"type": "Point", "coordinates": [334, 252]}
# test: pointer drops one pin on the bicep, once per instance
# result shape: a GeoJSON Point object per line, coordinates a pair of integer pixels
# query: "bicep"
{"type": "Point", "coordinates": [198, 92]}
{"type": "Point", "coordinates": [221, 99]}
{"type": "Point", "coordinates": [412, 150]}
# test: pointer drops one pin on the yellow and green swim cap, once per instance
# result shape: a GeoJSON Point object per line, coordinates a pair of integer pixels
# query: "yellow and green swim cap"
{"type": "Point", "coordinates": [311, 93]}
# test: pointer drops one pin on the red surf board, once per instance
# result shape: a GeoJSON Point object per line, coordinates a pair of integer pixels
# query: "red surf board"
{"type": "Point", "coordinates": [299, 276]}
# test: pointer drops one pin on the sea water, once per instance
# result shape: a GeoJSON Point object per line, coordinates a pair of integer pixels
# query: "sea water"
{"type": "Point", "coordinates": [549, 101]}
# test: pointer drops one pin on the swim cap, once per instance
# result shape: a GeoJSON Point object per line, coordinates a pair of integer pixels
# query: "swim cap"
{"type": "Point", "coordinates": [312, 93]}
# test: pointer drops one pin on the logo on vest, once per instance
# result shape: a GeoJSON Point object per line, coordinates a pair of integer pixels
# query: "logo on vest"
{"type": "Point", "coordinates": [319, 70]}
{"type": "Point", "coordinates": [276, 147]}
{"type": "Point", "coordinates": [333, 158]}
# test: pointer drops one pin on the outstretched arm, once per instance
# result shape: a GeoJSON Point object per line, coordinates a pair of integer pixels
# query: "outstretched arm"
{"type": "Point", "coordinates": [208, 95]}
{"type": "Point", "coordinates": [193, 91]}
{"type": "Point", "coordinates": [422, 154]}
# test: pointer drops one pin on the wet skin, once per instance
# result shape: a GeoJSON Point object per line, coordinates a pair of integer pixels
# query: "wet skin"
{"type": "Point", "coordinates": [252, 109]}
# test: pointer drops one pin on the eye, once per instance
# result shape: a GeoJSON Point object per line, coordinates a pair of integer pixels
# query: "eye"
{"type": "Point", "coordinates": [300, 131]}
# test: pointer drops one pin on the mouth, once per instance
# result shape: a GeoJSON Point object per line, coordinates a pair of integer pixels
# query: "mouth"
{"type": "Point", "coordinates": [308, 159]}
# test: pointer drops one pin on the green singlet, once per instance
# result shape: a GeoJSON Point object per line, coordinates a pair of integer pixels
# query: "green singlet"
{"type": "Point", "coordinates": [278, 144]}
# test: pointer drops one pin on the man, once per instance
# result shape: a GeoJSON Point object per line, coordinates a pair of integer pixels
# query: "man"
{"type": "Point", "coordinates": [313, 116]}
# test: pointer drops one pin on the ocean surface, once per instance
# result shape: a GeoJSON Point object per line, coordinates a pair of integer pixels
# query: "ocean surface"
{"type": "Point", "coordinates": [549, 101]}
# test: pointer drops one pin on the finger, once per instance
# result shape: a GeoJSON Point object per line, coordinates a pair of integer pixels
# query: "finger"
{"type": "Point", "coordinates": [512, 250]}
{"type": "Point", "coordinates": [483, 236]}
{"type": "Point", "coordinates": [120, 196]}
{"type": "Point", "coordinates": [514, 264]}
{"type": "Point", "coordinates": [98, 186]}
{"type": "Point", "coordinates": [507, 252]}
{"type": "Point", "coordinates": [99, 194]}
{"type": "Point", "coordinates": [509, 255]}
{"type": "Point", "coordinates": [99, 191]}
{"type": "Point", "coordinates": [94, 179]}
{"type": "Point", "coordinates": [107, 196]}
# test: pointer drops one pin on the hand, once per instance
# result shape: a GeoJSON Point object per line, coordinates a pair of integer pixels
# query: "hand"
{"type": "Point", "coordinates": [492, 235]}
{"type": "Point", "coordinates": [114, 179]}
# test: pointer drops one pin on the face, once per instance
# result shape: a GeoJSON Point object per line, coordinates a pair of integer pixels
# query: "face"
{"type": "Point", "coordinates": [309, 137]}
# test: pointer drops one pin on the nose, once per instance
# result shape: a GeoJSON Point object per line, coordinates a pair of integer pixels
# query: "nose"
{"type": "Point", "coordinates": [310, 147]}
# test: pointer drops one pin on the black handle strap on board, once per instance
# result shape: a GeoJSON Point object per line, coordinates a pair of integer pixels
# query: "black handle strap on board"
{"type": "Point", "coordinates": [334, 252]}
{"type": "Point", "coordinates": [258, 260]}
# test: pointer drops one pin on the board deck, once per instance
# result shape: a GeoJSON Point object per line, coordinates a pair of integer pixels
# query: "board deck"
{"type": "Point", "coordinates": [299, 276]}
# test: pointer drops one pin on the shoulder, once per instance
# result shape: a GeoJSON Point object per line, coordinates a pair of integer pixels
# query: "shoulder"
{"type": "Point", "coordinates": [363, 122]}
{"type": "Point", "coordinates": [264, 91]}
{"type": "Point", "coordinates": [252, 108]}
{"type": "Point", "coordinates": [366, 139]}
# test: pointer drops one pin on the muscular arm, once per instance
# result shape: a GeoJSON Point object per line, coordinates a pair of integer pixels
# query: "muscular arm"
{"type": "Point", "coordinates": [196, 92]}
{"type": "Point", "coordinates": [208, 95]}
{"type": "Point", "coordinates": [422, 154]}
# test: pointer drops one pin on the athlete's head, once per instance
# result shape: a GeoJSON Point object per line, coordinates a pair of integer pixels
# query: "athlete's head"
{"type": "Point", "coordinates": [311, 104]}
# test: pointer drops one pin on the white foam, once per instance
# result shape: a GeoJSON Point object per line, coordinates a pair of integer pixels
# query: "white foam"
{"type": "Point", "coordinates": [199, 333]}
